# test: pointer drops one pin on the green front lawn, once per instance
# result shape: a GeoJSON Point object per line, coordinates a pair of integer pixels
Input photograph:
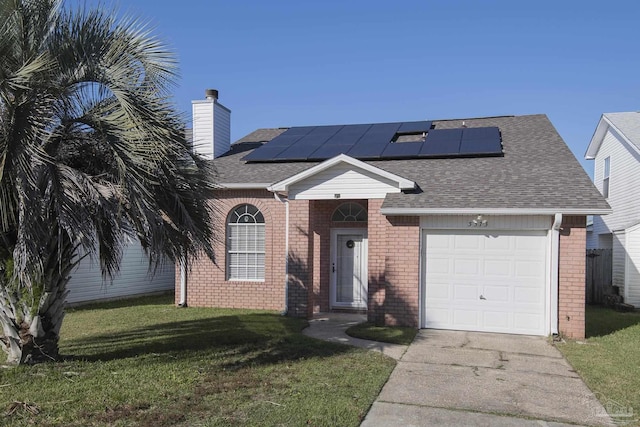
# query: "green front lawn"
{"type": "Point", "coordinates": [145, 362]}
{"type": "Point", "coordinates": [391, 334]}
{"type": "Point", "coordinates": [609, 359]}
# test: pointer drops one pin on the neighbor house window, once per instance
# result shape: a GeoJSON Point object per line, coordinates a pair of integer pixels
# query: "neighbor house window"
{"type": "Point", "coordinates": [245, 244]}
{"type": "Point", "coordinates": [349, 212]}
{"type": "Point", "coordinates": [605, 177]}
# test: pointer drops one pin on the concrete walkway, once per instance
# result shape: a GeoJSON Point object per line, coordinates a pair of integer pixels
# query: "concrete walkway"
{"type": "Point", "coordinates": [452, 378]}
{"type": "Point", "coordinates": [332, 327]}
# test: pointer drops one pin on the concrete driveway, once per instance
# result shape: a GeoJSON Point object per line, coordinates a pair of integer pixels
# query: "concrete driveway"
{"type": "Point", "coordinates": [482, 379]}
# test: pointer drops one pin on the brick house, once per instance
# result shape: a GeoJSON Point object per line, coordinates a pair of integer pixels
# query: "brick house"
{"type": "Point", "coordinates": [474, 224]}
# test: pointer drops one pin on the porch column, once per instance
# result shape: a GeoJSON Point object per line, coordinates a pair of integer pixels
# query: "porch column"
{"type": "Point", "coordinates": [571, 277]}
{"type": "Point", "coordinates": [300, 260]}
{"type": "Point", "coordinates": [377, 232]}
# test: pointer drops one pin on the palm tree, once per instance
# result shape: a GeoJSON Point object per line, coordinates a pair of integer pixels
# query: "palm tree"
{"type": "Point", "coordinates": [92, 153]}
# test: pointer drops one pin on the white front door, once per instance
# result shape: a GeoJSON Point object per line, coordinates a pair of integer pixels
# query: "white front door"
{"type": "Point", "coordinates": [349, 268]}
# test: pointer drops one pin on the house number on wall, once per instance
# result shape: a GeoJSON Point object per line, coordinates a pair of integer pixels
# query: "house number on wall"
{"type": "Point", "coordinates": [479, 221]}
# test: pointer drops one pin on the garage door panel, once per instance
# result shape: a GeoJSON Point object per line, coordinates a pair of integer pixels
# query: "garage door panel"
{"type": "Point", "coordinates": [440, 265]}
{"type": "Point", "coordinates": [532, 245]}
{"type": "Point", "coordinates": [440, 317]}
{"type": "Point", "coordinates": [497, 267]}
{"type": "Point", "coordinates": [496, 320]}
{"type": "Point", "coordinates": [528, 269]}
{"type": "Point", "coordinates": [492, 243]}
{"type": "Point", "coordinates": [509, 270]}
{"type": "Point", "coordinates": [466, 266]}
{"type": "Point", "coordinates": [438, 290]}
{"type": "Point", "coordinates": [528, 295]}
{"type": "Point", "coordinates": [465, 293]}
{"type": "Point", "coordinates": [497, 294]}
{"type": "Point", "coordinates": [441, 241]}
{"type": "Point", "coordinates": [466, 318]}
{"type": "Point", "coordinates": [461, 242]}
{"type": "Point", "coordinates": [526, 321]}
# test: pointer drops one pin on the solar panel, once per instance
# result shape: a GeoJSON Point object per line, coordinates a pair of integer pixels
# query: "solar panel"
{"type": "Point", "coordinates": [441, 142]}
{"type": "Point", "coordinates": [415, 127]}
{"type": "Point", "coordinates": [402, 150]}
{"type": "Point", "coordinates": [481, 141]}
{"type": "Point", "coordinates": [297, 152]}
{"type": "Point", "coordinates": [374, 141]}
{"type": "Point", "coordinates": [328, 151]}
{"type": "Point", "coordinates": [348, 135]}
{"type": "Point", "coordinates": [378, 141]}
{"type": "Point", "coordinates": [264, 154]}
{"type": "Point", "coordinates": [300, 130]}
{"type": "Point", "coordinates": [366, 151]}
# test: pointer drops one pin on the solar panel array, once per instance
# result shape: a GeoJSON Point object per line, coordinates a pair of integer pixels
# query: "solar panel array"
{"type": "Point", "coordinates": [380, 141]}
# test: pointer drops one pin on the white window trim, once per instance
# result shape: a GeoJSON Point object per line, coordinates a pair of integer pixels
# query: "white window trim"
{"type": "Point", "coordinates": [606, 177]}
{"type": "Point", "coordinates": [229, 252]}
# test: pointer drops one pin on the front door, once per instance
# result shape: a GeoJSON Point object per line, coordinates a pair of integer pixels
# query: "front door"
{"type": "Point", "coordinates": [349, 268]}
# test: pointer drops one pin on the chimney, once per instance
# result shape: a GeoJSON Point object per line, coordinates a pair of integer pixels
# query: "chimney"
{"type": "Point", "coordinates": [211, 126]}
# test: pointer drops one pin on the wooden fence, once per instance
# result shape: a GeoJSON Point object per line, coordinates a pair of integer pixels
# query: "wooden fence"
{"type": "Point", "coordinates": [598, 274]}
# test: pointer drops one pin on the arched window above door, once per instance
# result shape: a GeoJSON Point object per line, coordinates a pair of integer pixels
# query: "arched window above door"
{"type": "Point", "coordinates": [349, 212]}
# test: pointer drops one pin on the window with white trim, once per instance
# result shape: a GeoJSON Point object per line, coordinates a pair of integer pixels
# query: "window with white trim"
{"type": "Point", "coordinates": [349, 212]}
{"type": "Point", "coordinates": [245, 243]}
{"type": "Point", "coordinates": [605, 177]}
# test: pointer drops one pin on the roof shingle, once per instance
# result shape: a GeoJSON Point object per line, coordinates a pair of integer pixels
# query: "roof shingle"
{"type": "Point", "coordinates": [537, 171]}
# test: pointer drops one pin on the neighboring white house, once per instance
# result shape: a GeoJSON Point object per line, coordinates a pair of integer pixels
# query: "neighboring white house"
{"type": "Point", "coordinates": [86, 282]}
{"type": "Point", "coordinates": [615, 147]}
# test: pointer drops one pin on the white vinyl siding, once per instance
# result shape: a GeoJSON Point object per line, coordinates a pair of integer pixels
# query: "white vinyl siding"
{"type": "Point", "coordinates": [86, 282]}
{"type": "Point", "coordinates": [221, 130]}
{"type": "Point", "coordinates": [632, 272]}
{"type": "Point", "coordinates": [203, 128]}
{"type": "Point", "coordinates": [605, 177]}
{"type": "Point", "coordinates": [497, 222]}
{"type": "Point", "coordinates": [624, 184]}
{"type": "Point", "coordinates": [618, 260]}
{"type": "Point", "coordinates": [344, 182]}
{"type": "Point", "coordinates": [211, 128]}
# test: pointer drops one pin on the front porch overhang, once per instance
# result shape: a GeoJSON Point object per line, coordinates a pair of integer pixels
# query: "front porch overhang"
{"type": "Point", "coordinates": [341, 177]}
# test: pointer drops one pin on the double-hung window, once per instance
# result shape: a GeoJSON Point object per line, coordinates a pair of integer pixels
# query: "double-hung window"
{"type": "Point", "coordinates": [605, 177]}
{"type": "Point", "coordinates": [245, 244]}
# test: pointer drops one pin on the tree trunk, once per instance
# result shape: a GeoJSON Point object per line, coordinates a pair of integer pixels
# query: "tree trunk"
{"type": "Point", "coordinates": [30, 338]}
{"type": "Point", "coordinates": [31, 316]}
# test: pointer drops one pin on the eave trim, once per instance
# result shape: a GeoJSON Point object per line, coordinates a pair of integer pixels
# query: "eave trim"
{"type": "Point", "coordinates": [491, 211]}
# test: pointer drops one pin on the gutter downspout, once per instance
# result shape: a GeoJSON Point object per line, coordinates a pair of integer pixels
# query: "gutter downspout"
{"type": "Point", "coordinates": [183, 283]}
{"type": "Point", "coordinates": [555, 263]}
{"type": "Point", "coordinates": [285, 200]}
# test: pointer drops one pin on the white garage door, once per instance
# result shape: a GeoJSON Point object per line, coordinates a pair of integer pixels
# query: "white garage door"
{"type": "Point", "coordinates": [478, 281]}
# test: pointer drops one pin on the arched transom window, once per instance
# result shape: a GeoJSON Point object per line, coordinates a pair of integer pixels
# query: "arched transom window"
{"type": "Point", "coordinates": [349, 212]}
{"type": "Point", "coordinates": [245, 243]}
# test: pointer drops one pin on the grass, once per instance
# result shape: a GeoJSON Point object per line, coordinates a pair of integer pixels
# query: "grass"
{"type": "Point", "coordinates": [391, 334]}
{"type": "Point", "coordinates": [609, 359]}
{"type": "Point", "coordinates": [145, 362]}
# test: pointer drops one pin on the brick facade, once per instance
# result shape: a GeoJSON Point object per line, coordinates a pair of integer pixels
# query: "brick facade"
{"type": "Point", "coordinates": [393, 263]}
{"type": "Point", "coordinates": [207, 284]}
{"type": "Point", "coordinates": [571, 277]}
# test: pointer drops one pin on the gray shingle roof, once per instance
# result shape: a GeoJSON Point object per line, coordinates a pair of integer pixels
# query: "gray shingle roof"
{"type": "Point", "coordinates": [628, 123]}
{"type": "Point", "coordinates": [538, 171]}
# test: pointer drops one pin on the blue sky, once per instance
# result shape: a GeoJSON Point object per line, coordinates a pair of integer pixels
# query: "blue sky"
{"type": "Point", "coordinates": [290, 63]}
